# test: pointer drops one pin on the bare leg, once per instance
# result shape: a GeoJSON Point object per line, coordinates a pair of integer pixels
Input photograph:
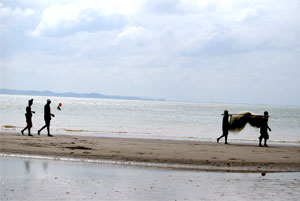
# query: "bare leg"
{"type": "Point", "coordinates": [224, 135]}
{"type": "Point", "coordinates": [39, 131]}
{"type": "Point", "coordinates": [218, 139]}
{"type": "Point", "coordinates": [260, 142]}
{"type": "Point", "coordinates": [29, 132]}
{"type": "Point", "coordinates": [226, 139]}
{"type": "Point", "coordinates": [22, 131]}
{"type": "Point", "coordinates": [265, 143]}
{"type": "Point", "coordinates": [48, 129]}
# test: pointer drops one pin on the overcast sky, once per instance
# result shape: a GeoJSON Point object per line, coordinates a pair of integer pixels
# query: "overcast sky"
{"type": "Point", "coordinates": [233, 51]}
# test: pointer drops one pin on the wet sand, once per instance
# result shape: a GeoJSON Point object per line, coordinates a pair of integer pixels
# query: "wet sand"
{"type": "Point", "coordinates": [192, 155]}
{"type": "Point", "coordinates": [35, 180]}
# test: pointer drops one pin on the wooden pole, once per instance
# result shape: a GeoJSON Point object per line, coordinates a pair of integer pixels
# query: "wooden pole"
{"type": "Point", "coordinates": [250, 114]}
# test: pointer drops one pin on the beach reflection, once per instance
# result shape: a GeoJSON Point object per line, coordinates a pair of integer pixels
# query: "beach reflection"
{"type": "Point", "coordinates": [62, 180]}
{"type": "Point", "coordinates": [27, 166]}
{"type": "Point", "coordinates": [45, 166]}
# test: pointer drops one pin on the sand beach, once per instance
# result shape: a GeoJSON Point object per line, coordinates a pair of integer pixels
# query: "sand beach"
{"type": "Point", "coordinates": [207, 156]}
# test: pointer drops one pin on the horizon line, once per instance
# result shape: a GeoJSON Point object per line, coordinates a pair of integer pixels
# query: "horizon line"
{"type": "Point", "coordinates": [118, 97]}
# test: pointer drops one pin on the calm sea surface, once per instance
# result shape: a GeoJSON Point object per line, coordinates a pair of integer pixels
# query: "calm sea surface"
{"type": "Point", "coordinates": [146, 119]}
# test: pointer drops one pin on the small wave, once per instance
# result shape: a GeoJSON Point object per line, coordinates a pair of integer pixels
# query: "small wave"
{"type": "Point", "coordinates": [74, 130]}
{"type": "Point", "coordinates": [119, 132]}
{"type": "Point", "coordinates": [91, 131]}
{"type": "Point", "coordinates": [286, 141]}
{"type": "Point", "coordinates": [272, 141]}
{"type": "Point", "coordinates": [8, 126]}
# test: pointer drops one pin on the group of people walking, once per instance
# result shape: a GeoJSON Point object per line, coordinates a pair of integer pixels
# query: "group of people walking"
{"type": "Point", "coordinates": [225, 124]}
{"type": "Point", "coordinates": [263, 125]}
{"type": "Point", "coordinates": [47, 118]}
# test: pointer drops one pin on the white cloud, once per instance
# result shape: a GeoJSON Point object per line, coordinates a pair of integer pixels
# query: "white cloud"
{"type": "Point", "coordinates": [7, 12]}
{"type": "Point", "coordinates": [248, 13]}
{"type": "Point", "coordinates": [66, 16]}
{"type": "Point", "coordinates": [28, 12]}
{"type": "Point", "coordinates": [134, 34]}
{"type": "Point", "coordinates": [192, 50]}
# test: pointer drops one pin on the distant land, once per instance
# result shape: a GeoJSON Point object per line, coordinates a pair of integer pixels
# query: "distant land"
{"type": "Point", "coordinates": [71, 94]}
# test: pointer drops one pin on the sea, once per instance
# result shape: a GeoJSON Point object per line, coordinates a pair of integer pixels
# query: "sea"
{"type": "Point", "coordinates": [146, 119]}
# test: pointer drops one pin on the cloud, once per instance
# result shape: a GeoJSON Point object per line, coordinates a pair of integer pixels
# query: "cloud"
{"type": "Point", "coordinates": [202, 50]}
{"type": "Point", "coordinates": [7, 12]}
{"type": "Point", "coordinates": [89, 15]}
{"type": "Point", "coordinates": [168, 7]}
{"type": "Point", "coordinates": [249, 13]}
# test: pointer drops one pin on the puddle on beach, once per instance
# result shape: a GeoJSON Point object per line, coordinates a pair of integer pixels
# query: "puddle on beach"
{"type": "Point", "coordinates": [35, 180]}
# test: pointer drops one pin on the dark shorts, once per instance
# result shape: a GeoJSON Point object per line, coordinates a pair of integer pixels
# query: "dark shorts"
{"type": "Point", "coordinates": [47, 122]}
{"type": "Point", "coordinates": [264, 135]}
{"type": "Point", "coordinates": [29, 123]}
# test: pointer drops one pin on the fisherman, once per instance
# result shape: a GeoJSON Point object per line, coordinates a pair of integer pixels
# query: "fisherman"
{"type": "Point", "coordinates": [225, 127]}
{"type": "Point", "coordinates": [264, 130]}
{"type": "Point", "coordinates": [28, 116]}
{"type": "Point", "coordinates": [47, 118]}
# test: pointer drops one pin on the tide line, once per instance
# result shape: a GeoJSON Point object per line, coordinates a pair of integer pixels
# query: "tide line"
{"type": "Point", "coordinates": [203, 168]}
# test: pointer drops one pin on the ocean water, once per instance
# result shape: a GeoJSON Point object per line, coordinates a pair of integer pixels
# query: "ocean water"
{"type": "Point", "coordinates": [35, 180]}
{"type": "Point", "coordinates": [146, 119]}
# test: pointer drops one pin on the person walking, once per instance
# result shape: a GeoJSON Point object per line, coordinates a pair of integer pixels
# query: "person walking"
{"type": "Point", "coordinates": [264, 130]}
{"type": "Point", "coordinates": [28, 116]}
{"type": "Point", "coordinates": [47, 118]}
{"type": "Point", "coordinates": [225, 127]}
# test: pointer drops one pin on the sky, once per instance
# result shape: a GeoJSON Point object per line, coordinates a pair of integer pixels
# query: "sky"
{"type": "Point", "coordinates": [233, 51]}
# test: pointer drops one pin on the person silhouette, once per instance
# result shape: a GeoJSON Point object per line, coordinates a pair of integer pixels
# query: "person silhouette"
{"type": "Point", "coordinates": [28, 116]}
{"type": "Point", "coordinates": [47, 118]}
{"type": "Point", "coordinates": [225, 127]}
{"type": "Point", "coordinates": [264, 130]}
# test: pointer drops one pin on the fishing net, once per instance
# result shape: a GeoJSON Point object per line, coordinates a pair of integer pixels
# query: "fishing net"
{"type": "Point", "coordinates": [238, 121]}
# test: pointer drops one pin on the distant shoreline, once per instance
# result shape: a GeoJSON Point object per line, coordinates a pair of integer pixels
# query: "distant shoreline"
{"type": "Point", "coordinates": [205, 156]}
{"type": "Point", "coordinates": [101, 96]}
{"type": "Point", "coordinates": [71, 94]}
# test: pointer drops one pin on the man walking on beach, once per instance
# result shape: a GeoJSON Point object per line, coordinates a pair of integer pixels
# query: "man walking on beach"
{"type": "Point", "coordinates": [225, 127]}
{"type": "Point", "coordinates": [264, 130]}
{"type": "Point", "coordinates": [47, 117]}
{"type": "Point", "coordinates": [28, 116]}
